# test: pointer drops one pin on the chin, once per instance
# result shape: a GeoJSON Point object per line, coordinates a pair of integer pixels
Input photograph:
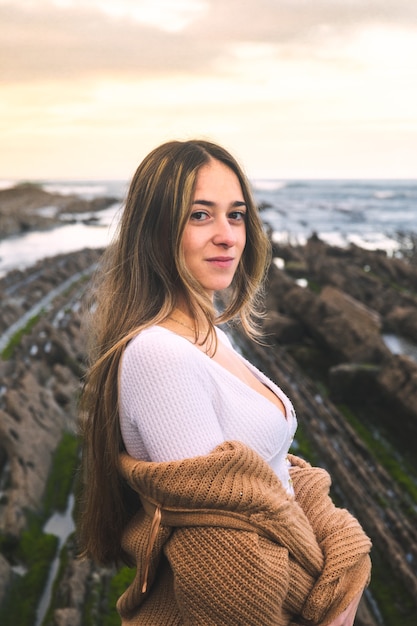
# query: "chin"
{"type": "Point", "coordinates": [217, 287]}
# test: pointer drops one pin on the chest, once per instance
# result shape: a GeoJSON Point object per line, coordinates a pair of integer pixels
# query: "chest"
{"type": "Point", "coordinates": [232, 363]}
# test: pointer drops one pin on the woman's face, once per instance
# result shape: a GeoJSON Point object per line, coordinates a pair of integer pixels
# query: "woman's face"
{"type": "Point", "coordinates": [215, 235]}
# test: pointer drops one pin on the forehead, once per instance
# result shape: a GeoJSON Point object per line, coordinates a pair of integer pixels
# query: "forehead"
{"type": "Point", "coordinates": [216, 178]}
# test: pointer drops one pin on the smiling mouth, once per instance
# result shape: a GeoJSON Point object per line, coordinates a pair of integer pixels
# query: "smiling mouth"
{"type": "Point", "coordinates": [221, 261]}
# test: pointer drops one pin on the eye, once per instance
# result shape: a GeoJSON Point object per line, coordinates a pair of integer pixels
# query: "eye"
{"type": "Point", "coordinates": [199, 216]}
{"type": "Point", "coordinates": [237, 216]}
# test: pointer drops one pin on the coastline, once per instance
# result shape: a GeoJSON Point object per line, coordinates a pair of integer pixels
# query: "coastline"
{"type": "Point", "coordinates": [28, 207]}
{"type": "Point", "coordinates": [327, 309]}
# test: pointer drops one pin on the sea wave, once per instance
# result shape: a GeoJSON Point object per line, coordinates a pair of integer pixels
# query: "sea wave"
{"type": "Point", "coordinates": [76, 189]}
{"type": "Point", "coordinates": [384, 195]}
{"type": "Point", "coordinates": [340, 212]}
{"type": "Point", "coordinates": [86, 189]}
{"type": "Point", "coordinates": [268, 185]}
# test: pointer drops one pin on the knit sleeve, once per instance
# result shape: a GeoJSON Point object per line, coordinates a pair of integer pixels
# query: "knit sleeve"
{"type": "Point", "coordinates": [166, 398]}
{"type": "Point", "coordinates": [344, 544]}
{"type": "Point", "coordinates": [222, 577]}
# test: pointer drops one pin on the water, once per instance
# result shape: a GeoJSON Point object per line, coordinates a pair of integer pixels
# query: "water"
{"type": "Point", "coordinates": [62, 526]}
{"type": "Point", "coordinates": [367, 213]}
{"type": "Point", "coordinates": [24, 250]}
{"type": "Point", "coordinates": [86, 189]}
{"type": "Point", "coordinates": [400, 345]}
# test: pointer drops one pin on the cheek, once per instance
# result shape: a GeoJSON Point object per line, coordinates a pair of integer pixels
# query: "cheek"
{"type": "Point", "coordinates": [192, 241]}
{"type": "Point", "coordinates": [188, 246]}
{"type": "Point", "coordinates": [243, 240]}
{"type": "Point", "coordinates": [185, 243]}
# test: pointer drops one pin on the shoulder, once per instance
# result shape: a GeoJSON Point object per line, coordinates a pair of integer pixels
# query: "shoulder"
{"type": "Point", "coordinates": [156, 340]}
{"type": "Point", "coordinates": [161, 349]}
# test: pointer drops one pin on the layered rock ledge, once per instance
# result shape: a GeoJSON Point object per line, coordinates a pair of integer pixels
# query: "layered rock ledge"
{"type": "Point", "coordinates": [327, 312]}
{"type": "Point", "coordinates": [28, 207]}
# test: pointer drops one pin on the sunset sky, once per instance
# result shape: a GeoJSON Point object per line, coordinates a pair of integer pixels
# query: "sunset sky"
{"type": "Point", "coordinates": [294, 88]}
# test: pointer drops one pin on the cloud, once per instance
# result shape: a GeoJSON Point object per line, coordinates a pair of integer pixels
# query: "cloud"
{"type": "Point", "coordinates": [284, 82]}
{"type": "Point", "coordinates": [61, 43]}
{"type": "Point", "coordinates": [73, 39]}
{"type": "Point", "coordinates": [299, 20]}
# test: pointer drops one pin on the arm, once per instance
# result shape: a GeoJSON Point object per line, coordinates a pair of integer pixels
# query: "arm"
{"type": "Point", "coordinates": [347, 618]}
{"type": "Point", "coordinates": [345, 547]}
{"type": "Point", "coordinates": [166, 398]}
{"type": "Point", "coordinates": [221, 569]}
{"type": "Point", "coordinates": [225, 576]}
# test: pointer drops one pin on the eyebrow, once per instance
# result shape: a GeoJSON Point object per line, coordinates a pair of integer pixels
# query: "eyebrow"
{"type": "Point", "coordinates": [209, 203]}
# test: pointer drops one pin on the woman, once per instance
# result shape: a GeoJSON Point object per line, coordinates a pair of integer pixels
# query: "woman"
{"type": "Point", "coordinates": [186, 469]}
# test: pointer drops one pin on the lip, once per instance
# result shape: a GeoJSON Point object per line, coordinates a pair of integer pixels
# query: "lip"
{"type": "Point", "coordinates": [221, 261]}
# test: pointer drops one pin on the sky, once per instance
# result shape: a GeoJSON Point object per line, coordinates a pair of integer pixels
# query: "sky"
{"type": "Point", "coordinates": [293, 88]}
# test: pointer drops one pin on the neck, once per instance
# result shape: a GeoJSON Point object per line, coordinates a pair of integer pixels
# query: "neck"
{"type": "Point", "coordinates": [195, 330]}
{"type": "Point", "coordinates": [183, 316]}
{"type": "Point", "coordinates": [188, 321]}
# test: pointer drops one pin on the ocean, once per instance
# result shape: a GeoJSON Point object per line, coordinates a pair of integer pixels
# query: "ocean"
{"type": "Point", "coordinates": [371, 214]}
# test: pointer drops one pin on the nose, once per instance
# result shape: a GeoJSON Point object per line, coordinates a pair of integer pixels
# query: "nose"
{"type": "Point", "coordinates": [224, 233]}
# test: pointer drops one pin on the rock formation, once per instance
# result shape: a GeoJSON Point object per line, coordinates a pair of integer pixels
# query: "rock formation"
{"type": "Point", "coordinates": [29, 207]}
{"type": "Point", "coordinates": [354, 297]}
{"type": "Point", "coordinates": [326, 335]}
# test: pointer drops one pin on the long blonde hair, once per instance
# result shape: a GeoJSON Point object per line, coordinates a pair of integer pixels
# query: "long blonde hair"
{"type": "Point", "coordinates": [140, 281]}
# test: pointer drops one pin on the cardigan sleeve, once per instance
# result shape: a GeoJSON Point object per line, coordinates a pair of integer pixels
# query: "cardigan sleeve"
{"type": "Point", "coordinates": [345, 545]}
{"type": "Point", "coordinates": [241, 550]}
{"type": "Point", "coordinates": [221, 577]}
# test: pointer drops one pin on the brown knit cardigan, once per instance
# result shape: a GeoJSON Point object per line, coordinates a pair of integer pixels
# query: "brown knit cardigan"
{"type": "Point", "coordinates": [219, 542]}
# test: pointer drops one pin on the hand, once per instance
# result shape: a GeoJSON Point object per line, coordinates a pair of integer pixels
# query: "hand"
{"type": "Point", "coordinates": [348, 616]}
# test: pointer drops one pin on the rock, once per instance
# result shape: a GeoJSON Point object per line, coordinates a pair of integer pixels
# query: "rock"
{"type": "Point", "coordinates": [358, 312]}
{"type": "Point", "coordinates": [345, 336]}
{"type": "Point", "coordinates": [403, 321]}
{"type": "Point", "coordinates": [277, 286]}
{"type": "Point", "coordinates": [29, 207]}
{"type": "Point", "coordinates": [281, 328]}
{"type": "Point", "coordinates": [350, 296]}
{"type": "Point", "coordinates": [5, 576]}
{"type": "Point", "coordinates": [31, 425]}
{"type": "Point", "coordinates": [82, 579]}
{"type": "Point", "coordinates": [352, 382]}
{"type": "Point", "coordinates": [397, 382]}
{"type": "Point", "coordinates": [347, 328]}
{"type": "Point", "coordinates": [377, 282]}
{"type": "Point", "coordinates": [73, 586]}
{"type": "Point", "coordinates": [39, 387]}
{"type": "Point", "coordinates": [67, 617]}
{"type": "Point", "coordinates": [288, 253]}
{"type": "Point", "coordinates": [360, 482]}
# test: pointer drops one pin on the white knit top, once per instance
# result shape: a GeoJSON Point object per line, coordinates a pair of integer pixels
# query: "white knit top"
{"type": "Point", "coordinates": [177, 402]}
